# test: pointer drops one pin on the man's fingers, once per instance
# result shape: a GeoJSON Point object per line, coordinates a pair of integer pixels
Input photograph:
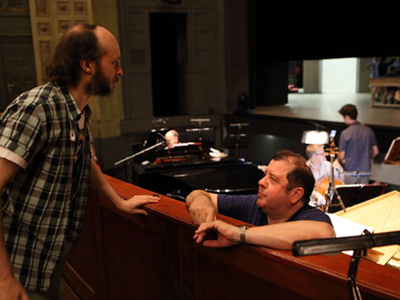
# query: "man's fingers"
{"type": "Point", "coordinates": [140, 212]}
{"type": "Point", "coordinates": [199, 236]}
{"type": "Point", "coordinates": [212, 244]}
{"type": "Point", "coordinates": [139, 200]}
{"type": "Point", "coordinates": [210, 217]}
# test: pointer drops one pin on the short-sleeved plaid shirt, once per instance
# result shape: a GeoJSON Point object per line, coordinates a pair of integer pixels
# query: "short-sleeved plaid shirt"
{"type": "Point", "coordinates": [41, 211]}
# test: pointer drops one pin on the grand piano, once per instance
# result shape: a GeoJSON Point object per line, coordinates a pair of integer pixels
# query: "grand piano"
{"type": "Point", "coordinates": [188, 166]}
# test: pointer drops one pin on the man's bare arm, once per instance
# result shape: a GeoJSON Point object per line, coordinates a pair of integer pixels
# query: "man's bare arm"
{"type": "Point", "coordinates": [203, 206]}
{"type": "Point", "coordinates": [281, 236]}
{"type": "Point", "coordinates": [341, 158]}
{"type": "Point", "coordinates": [375, 151]}
{"type": "Point", "coordinates": [10, 287]}
{"type": "Point", "coordinates": [132, 205]}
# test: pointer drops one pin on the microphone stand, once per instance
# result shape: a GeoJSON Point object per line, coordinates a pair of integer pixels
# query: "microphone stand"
{"type": "Point", "coordinates": [138, 153]}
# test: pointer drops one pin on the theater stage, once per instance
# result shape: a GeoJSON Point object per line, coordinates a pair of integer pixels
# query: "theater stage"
{"type": "Point", "coordinates": [325, 107]}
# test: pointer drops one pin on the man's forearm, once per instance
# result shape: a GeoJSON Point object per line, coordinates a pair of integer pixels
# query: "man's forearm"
{"type": "Point", "coordinates": [282, 236]}
{"type": "Point", "coordinates": [375, 151]}
{"type": "Point", "coordinates": [202, 206]}
{"type": "Point", "coordinates": [197, 197]}
{"type": "Point", "coordinates": [5, 270]}
{"type": "Point", "coordinates": [8, 171]}
{"type": "Point", "coordinates": [102, 186]}
{"type": "Point", "coordinates": [341, 158]}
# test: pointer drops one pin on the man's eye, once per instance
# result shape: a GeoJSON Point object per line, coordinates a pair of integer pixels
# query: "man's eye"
{"type": "Point", "coordinates": [274, 179]}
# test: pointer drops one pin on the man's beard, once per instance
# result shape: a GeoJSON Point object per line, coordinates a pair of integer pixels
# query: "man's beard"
{"type": "Point", "coordinates": [99, 85]}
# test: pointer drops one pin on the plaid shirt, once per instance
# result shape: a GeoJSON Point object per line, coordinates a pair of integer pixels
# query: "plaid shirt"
{"type": "Point", "coordinates": [41, 210]}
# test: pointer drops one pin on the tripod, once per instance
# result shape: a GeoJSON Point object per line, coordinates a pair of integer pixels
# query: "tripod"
{"type": "Point", "coordinates": [332, 192]}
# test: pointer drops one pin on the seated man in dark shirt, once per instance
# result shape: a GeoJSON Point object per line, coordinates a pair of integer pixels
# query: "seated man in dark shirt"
{"type": "Point", "coordinates": [280, 210]}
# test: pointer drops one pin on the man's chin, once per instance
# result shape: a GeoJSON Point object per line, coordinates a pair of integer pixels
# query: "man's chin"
{"type": "Point", "coordinates": [259, 202]}
{"type": "Point", "coordinates": [109, 93]}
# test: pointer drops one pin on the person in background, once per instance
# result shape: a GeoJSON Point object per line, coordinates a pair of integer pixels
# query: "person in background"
{"type": "Point", "coordinates": [321, 169]}
{"type": "Point", "coordinates": [357, 146]}
{"type": "Point", "coordinates": [172, 138]}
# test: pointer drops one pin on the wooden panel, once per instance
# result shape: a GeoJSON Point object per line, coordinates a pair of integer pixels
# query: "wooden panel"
{"type": "Point", "coordinates": [68, 294]}
{"type": "Point", "coordinates": [155, 257]}
{"type": "Point", "coordinates": [134, 250]}
{"type": "Point", "coordinates": [84, 271]}
{"type": "Point", "coordinates": [381, 213]}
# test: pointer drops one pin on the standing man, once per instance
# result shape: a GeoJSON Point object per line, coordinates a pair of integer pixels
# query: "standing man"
{"type": "Point", "coordinates": [280, 210]}
{"type": "Point", "coordinates": [46, 166]}
{"type": "Point", "coordinates": [357, 145]}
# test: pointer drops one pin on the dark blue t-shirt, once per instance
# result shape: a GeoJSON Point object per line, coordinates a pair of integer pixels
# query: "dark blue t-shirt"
{"type": "Point", "coordinates": [357, 141]}
{"type": "Point", "coordinates": [245, 208]}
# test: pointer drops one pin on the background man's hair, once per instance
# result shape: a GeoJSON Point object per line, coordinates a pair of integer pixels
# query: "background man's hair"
{"type": "Point", "coordinates": [349, 110]}
{"type": "Point", "coordinates": [312, 149]}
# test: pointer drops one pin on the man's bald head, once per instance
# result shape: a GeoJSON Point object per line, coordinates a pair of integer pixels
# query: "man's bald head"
{"type": "Point", "coordinates": [81, 42]}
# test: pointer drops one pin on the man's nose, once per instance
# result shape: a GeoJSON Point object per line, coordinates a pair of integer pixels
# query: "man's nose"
{"type": "Point", "coordinates": [263, 182]}
{"type": "Point", "coordinates": [120, 72]}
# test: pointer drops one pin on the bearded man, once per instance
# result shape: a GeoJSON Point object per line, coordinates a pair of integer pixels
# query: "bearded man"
{"type": "Point", "coordinates": [46, 165]}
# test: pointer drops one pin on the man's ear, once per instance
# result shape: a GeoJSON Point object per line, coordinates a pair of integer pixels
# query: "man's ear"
{"type": "Point", "coordinates": [297, 193]}
{"type": "Point", "coordinates": [87, 66]}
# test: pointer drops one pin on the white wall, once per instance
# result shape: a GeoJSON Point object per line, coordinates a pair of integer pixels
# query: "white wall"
{"type": "Point", "coordinates": [339, 75]}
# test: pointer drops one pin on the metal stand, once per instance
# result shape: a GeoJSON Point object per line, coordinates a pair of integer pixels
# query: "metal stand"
{"type": "Point", "coordinates": [332, 191]}
{"type": "Point", "coordinates": [239, 135]}
{"type": "Point", "coordinates": [199, 129]}
{"type": "Point", "coordinates": [352, 274]}
{"type": "Point", "coordinates": [353, 268]}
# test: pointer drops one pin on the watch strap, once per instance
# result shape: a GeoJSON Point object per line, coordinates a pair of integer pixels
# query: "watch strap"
{"type": "Point", "coordinates": [242, 233]}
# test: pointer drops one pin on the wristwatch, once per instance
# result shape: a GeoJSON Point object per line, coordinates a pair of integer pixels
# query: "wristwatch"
{"type": "Point", "coordinates": [243, 229]}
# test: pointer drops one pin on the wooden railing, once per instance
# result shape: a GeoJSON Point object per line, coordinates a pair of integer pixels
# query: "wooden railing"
{"type": "Point", "coordinates": [122, 256]}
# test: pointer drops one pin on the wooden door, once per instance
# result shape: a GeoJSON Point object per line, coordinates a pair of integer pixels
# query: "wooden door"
{"type": "Point", "coordinates": [17, 70]}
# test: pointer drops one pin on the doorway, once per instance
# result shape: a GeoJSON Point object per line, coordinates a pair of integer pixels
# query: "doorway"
{"type": "Point", "coordinates": [168, 55]}
{"type": "Point", "coordinates": [339, 75]}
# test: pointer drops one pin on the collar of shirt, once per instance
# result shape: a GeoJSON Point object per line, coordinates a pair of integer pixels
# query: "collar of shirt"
{"type": "Point", "coordinates": [72, 106]}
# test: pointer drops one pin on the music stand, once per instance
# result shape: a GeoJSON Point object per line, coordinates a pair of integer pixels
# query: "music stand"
{"type": "Point", "coordinates": [393, 155]}
{"type": "Point", "coordinates": [353, 194]}
{"type": "Point", "coordinates": [239, 139]}
{"type": "Point", "coordinates": [199, 129]}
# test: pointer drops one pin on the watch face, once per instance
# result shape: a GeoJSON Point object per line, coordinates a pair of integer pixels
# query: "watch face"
{"type": "Point", "coordinates": [244, 226]}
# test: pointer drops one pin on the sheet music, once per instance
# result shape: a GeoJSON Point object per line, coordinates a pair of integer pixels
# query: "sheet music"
{"type": "Point", "coordinates": [344, 227]}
